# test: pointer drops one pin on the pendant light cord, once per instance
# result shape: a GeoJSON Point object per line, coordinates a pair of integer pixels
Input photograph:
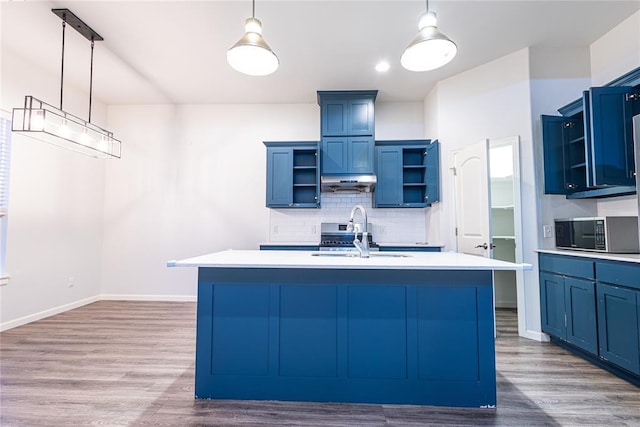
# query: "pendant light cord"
{"type": "Point", "coordinates": [253, 9]}
{"type": "Point", "coordinates": [91, 81]}
{"type": "Point", "coordinates": [64, 26]}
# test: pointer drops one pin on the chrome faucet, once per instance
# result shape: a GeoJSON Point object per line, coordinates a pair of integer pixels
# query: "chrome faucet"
{"type": "Point", "coordinates": [361, 245]}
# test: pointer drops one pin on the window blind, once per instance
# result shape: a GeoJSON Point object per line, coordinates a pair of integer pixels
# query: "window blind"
{"type": "Point", "coordinates": [5, 150]}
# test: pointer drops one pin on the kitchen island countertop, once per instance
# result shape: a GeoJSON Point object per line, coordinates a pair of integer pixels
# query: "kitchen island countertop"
{"type": "Point", "coordinates": [307, 259]}
{"type": "Point", "coordinates": [414, 328]}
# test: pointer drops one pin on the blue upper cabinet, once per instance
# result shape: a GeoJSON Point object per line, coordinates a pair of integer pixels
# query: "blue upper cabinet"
{"type": "Point", "coordinates": [293, 175]}
{"type": "Point", "coordinates": [360, 154]}
{"type": "Point", "coordinates": [347, 155]}
{"type": "Point", "coordinates": [279, 176]}
{"type": "Point", "coordinates": [408, 173]}
{"type": "Point", "coordinates": [388, 191]}
{"type": "Point", "coordinates": [565, 164]}
{"type": "Point", "coordinates": [588, 151]}
{"type": "Point", "coordinates": [611, 113]}
{"type": "Point", "coordinates": [334, 154]}
{"type": "Point", "coordinates": [432, 163]}
{"type": "Point", "coordinates": [347, 130]}
{"type": "Point", "coordinates": [347, 113]}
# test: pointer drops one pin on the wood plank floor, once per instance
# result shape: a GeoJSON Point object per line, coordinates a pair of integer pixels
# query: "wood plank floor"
{"type": "Point", "coordinates": [131, 363]}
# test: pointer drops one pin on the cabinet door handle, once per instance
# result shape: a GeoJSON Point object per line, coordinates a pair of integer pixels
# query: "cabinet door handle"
{"type": "Point", "coordinates": [486, 246]}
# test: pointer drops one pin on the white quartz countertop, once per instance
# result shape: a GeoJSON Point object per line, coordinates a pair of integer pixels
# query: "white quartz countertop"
{"type": "Point", "coordinates": [305, 259]}
{"type": "Point", "coordinates": [383, 244]}
{"type": "Point", "coordinates": [596, 255]}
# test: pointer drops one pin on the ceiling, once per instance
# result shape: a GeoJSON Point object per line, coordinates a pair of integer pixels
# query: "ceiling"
{"type": "Point", "coordinates": [175, 51]}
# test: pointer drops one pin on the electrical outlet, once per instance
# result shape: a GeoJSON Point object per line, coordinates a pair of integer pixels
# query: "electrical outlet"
{"type": "Point", "coordinates": [547, 231]}
{"type": "Point", "coordinates": [71, 282]}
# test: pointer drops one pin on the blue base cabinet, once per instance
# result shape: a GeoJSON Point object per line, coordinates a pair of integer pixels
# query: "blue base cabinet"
{"type": "Point", "coordinates": [293, 175]}
{"type": "Point", "coordinates": [331, 335]}
{"type": "Point", "coordinates": [552, 304]}
{"type": "Point", "coordinates": [618, 314]}
{"type": "Point", "coordinates": [568, 303]}
{"type": "Point", "coordinates": [597, 316]}
{"type": "Point", "coordinates": [408, 173]}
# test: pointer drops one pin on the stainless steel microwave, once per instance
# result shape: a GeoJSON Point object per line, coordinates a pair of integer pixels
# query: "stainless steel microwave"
{"type": "Point", "coordinates": [615, 234]}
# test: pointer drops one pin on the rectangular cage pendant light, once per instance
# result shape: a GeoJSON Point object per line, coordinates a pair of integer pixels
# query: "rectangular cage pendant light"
{"type": "Point", "coordinates": [54, 125]}
{"type": "Point", "coordinates": [50, 124]}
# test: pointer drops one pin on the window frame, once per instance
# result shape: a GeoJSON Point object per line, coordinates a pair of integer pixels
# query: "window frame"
{"type": "Point", "coordinates": [5, 167]}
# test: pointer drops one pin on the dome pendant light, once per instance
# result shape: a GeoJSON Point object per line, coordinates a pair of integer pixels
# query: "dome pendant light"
{"type": "Point", "coordinates": [252, 55]}
{"type": "Point", "coordinates": [430, 49]}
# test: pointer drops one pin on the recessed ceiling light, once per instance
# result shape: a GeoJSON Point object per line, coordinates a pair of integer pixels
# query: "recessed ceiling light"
{"type": "Point", "coordinates": [382, 66]}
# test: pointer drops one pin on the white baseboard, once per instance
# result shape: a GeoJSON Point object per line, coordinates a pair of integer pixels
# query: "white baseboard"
{"type": "Point", "coordinates": [46, 313]}
{"type": "Point", "coordinates": [104, 297]}
{"type": "Point", "coordinates": [534, 335]}
{"type": "Point", "coordinates": [131, 297]}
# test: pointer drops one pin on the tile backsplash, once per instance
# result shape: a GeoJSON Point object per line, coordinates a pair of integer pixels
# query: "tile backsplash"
{"type": "Point", "coordinates": [389, 225]}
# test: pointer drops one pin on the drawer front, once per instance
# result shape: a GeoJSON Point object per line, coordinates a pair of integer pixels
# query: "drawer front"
{"type": "Point", "coordinates": [619, 273]}
{"type": "Point", "coordinates": [570, 266]}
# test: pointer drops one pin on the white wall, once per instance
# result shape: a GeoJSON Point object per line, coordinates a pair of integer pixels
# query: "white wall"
{"type": "Point", "coordinates": [492, 101]}
{"type": "Point", "coordinates": [55, 207]}
{"type": "Point", "coordinates": [558, 77]}
{"type": "Point", "coordinates": [613, 55]}
{"type": "Point", "coordinates": [617, 52]}
{"type": "Point", "coordinates": [433, 214]}
{"type": "Point", "coordinates": [192, 181]}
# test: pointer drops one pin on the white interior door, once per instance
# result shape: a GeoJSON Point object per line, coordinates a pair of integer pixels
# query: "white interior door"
{"type": "Point", "coordinates": [473, 199]}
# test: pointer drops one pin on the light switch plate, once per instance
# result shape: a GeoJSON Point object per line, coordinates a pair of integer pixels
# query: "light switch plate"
{"type": "Point", "coordinates": [547, 231]}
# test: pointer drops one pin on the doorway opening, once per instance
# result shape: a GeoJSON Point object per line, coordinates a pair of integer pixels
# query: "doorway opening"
{"type": "Point", "coordinates": [488, 214]}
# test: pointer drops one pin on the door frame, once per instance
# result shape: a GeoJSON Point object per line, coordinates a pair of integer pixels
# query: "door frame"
{"type": "Point", "coordinates": [514, 141]}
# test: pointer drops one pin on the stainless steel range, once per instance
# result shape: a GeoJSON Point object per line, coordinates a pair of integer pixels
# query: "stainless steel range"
{"type": "Point", "coordinates": [335, 236]}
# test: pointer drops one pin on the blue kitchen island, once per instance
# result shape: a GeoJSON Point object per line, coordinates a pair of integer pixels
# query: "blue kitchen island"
{"type": "Point", "coordinates": [416, 328]}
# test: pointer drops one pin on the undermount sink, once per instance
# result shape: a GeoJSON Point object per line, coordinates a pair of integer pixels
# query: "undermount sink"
{"type": "Point", "coordinates": [336, 254]}
{"type": "Point", "coordinates": [355, 255]}
{"type": "Point", "coordinates": [378, 254]}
